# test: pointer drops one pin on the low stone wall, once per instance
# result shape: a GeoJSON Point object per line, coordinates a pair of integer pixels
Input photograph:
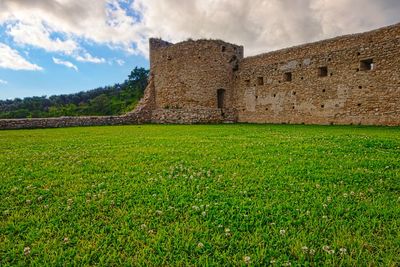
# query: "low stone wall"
{"type": "Point", "coordinates": [162, 116]}
{"type": "Point", "coordinates": [130, 118]}
{"type": "Point", "coordinates": [193, 116]}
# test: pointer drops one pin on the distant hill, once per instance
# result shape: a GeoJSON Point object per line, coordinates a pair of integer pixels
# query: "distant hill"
{"type": "Point", "coordinates": [109, 100]}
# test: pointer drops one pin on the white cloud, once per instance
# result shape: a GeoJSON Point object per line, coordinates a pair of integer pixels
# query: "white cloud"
{"type": "Point", "coordinates": [65, 63]}
{"type": "Point", "coordinates": [3, 81]}
{"type": "Point", "coordinates": [60, 25]}
{"type": "Point", "coordinates": [120, 62]}
{"type": "Point", "coordinates": [11, 59]}
{"type": "Point", "coordinates": [260, 25]}
{"type": "Point", "coordinates": [38, 35]}
{"type": "Point", "coordinates": [86, 57]}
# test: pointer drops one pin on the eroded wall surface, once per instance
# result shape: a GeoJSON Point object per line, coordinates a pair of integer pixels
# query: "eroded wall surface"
{"type": "Point", "coordinates": [187, 77]}
{"type": "Point", "coordinates": [352, 79]}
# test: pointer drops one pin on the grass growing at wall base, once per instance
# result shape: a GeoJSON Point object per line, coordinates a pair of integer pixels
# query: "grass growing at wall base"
{"type": "Point", "coordinates": [200, 195]}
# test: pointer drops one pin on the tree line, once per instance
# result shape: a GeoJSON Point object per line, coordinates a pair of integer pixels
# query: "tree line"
{"type": "Point", "coordinates": [109, 100]}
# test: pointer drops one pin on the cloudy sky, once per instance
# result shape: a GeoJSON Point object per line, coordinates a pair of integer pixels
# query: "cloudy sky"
{"type": "Point", "coordinates": [61, 46]}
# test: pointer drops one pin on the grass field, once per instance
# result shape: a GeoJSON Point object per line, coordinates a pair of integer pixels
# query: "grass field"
{"type": "Point", "coordinates": [200, 195]}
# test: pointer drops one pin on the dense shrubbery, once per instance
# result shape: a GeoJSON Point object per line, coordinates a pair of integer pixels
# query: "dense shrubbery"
{"type": "Point", "coordinates": [108, 100]}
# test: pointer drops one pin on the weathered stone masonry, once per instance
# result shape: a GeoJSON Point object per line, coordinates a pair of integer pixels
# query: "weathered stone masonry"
{"type": "Point", "coordinates": [353, 79]}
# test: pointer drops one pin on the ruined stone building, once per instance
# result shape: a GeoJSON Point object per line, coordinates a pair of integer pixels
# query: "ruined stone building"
{"type": "Point", "coordinates": [352, 79]}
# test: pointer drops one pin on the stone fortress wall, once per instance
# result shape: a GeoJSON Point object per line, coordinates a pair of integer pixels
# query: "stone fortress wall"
{"type": "Point", "coordinates": [352, 79]}
{"type": "Point", "coordinates": [188, 77]}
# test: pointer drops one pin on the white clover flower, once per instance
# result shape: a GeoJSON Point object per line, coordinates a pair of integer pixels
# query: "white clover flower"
{"type": "Point", "coordinates": [204, 213]}
{"type": "Point", "coordinates": [312, 251]}
{"type": "Point", "coordinates": [69, 201]}
{"type": "Point", "coordinates": [246, 260]}
{"type": "Point", "coordinates": [345, 195]}
{"type": "Point", "coordinates": [66, 239]}
{"type": "Point", "coordinates": [326, 248]}
{"type": "Point", "coordinates": [288, 263]}
{"type": "Point", "coordinates": [282, 232]}
{"type": "Point", "coordinates": [196, 207]}
{"type": "Point", "coordinates": [352, 193]}
{"type": "Point", "coordinates": [40, 198]}
{"type": "Point", "coordinates": [159, 212]}
{"type": "Point", "coordinates": [343, 251]}
{"type": "Point", "coordinates": [324, 205]}
{"type": "Point", "coordinates": [200, 245]}
{"type": "Point", "coordinates": [28, 201]}
{"type": "Point", "coordinates": [27, 251]}
{"type": "Point", "coordinates": [304, 249]}
{"type": "Point", "coordinates": [227, 232]}
{"type": "Point", "coordinates": [143, 226]}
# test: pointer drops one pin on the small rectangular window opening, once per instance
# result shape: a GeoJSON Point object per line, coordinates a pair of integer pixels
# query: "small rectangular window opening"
{"type": "Point", "coordinates": [260, 81]}
{"type": "Point", "coordinates": [367, 64]}
{"type": "Point", "coordinates": [287, 77]}
{"type": "Point", "coordinates": [322, 71]}
{"type": "Point", "coordinates": [220, 98]}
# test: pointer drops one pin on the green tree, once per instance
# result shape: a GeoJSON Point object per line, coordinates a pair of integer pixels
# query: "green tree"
{"type": "Point", "coordinates": [107, 100]}
{"type": "Point", "coordinates": [138, 78]}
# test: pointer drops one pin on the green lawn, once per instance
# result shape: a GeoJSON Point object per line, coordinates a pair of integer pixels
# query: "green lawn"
{"type": "Point", "coordinates": [200, 195]}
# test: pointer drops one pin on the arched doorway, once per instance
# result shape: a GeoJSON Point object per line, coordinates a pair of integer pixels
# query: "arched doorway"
{"type": "Point", "coordinates": [220, 97]}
